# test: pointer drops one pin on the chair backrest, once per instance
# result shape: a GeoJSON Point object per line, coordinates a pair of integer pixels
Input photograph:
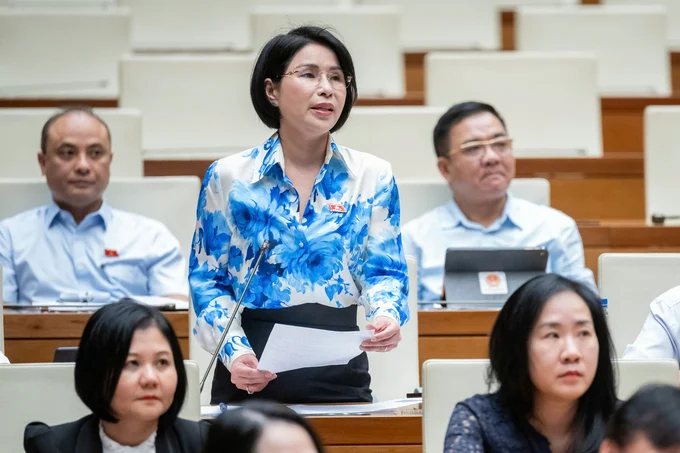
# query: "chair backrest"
{"type": "Point", "coordinates": [46, 392]}
{"type": "Point", "coordinates": [555, 93]}
{"type": "Point", "coordinates": [416, 197]}
{"type": "Point", "coordinates": [62, 4]}
{"type": "Point", "coordinates": [195, 25]}
{"type": "Point", "coordinates": [515, 3]}
{"type": "Point", "coordinates": [630, 43]}
{"type": "Point", "coordinates": [662, 160]}
{"type": "Point", "coordinates": [371, 33]}
{"type": "Point", "coordinates": [395, 373]}
{"type": "Point", "coordinates": [37, 57]}
{"type": "Point", "coordinates": [447, 382]}
{"type": "Point", "coordinates": [169, 199]}
{"type": "Point", "coordinates": [20, 140]}
{"type": "Point", "coordinates": [634, 374]}
{"type": "Point", "coordinates": [437, 25]}
{"type": "Point", "coordinates": [192, 104]}
{"type": "Point", "coordinates": [672, 17]}
{"type": "Point", "coordinates": [408, 144]}
{"type": "Point", "coordinates": [630, 282]}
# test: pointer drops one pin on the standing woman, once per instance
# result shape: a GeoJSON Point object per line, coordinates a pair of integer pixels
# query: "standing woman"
{"type": "Point", "coordinates": [550, 354]}
{"type": "Point", "coordinates": [130, 373]}
{"type": "Point", "coordinates": [331, 215]}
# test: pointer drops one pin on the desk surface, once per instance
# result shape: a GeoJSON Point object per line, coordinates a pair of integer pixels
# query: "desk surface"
{"type": "Point", "coordinates": [374, 433]}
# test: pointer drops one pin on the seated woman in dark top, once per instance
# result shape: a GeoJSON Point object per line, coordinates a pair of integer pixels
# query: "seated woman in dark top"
{"type": "Point", "coordinates": [262, 427]}
{"type": "Point", "coordinates": [550, 354]}
{"type": "Point", "coordinates": [649, 422]}
{"type": "Point", "coordinates": [130, 372]}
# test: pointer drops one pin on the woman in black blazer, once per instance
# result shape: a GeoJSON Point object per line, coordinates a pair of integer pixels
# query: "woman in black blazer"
{"type": "Point", "coordinates": [130, 372]}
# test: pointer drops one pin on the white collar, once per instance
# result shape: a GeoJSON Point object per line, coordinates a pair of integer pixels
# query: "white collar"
{"type": "Point", "coordinates": [111, 446]}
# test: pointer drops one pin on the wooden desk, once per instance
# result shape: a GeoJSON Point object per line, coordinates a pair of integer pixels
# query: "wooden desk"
{"type": "Point", "coordinates": [588, 188]}
{"type": "Point", "coordinates": [33, 337]}
{"type": "Point", "coordinates": [452, 334]}
{"type": "Point", "coordinates": [626, 237]}
{"type": "Point", "coordinates": [370, 433]}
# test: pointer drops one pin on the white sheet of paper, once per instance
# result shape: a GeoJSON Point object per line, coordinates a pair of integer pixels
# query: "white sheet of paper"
{"type": "Point", "coordinates": [292, 347]}
{"type": "Point", "coordinates": [354, 409]}
{"type": "Point", "coordinates": [327, 409]}
{"type": "Point", "coordinates": [160, 301]}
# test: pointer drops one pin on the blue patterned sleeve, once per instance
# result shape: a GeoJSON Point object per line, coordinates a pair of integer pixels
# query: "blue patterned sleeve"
{"type": "Point", "coordinates": [384, 276]}
{"type": "Point", "coordinates": [209, 277]}
{"type": "Point", "coordinates": [464, 434]}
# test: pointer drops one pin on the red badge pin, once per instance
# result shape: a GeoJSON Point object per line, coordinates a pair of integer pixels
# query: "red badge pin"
{"type": "Point", "coordinates": [111, 253]}
{"type": "Point", "coordinates": [335, 207]}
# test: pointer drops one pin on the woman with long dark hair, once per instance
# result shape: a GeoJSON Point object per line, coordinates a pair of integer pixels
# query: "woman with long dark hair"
{"type": "Point", "coordinates": [550, 354]}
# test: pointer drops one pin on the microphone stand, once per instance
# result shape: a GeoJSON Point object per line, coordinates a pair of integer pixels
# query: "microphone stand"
{"type": "Point", "coordinates": [265, 246]}
{"type": "Point", "coordinates": [660, 219]}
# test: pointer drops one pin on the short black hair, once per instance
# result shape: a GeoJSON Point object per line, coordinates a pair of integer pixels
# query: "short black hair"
{"type": "Point", "coordinates": [654, 412]}
{"type": "Point", "coordinates": [455, 115]}
{"type": "Point", "coordinates": [241, 428]}
{"type": "Point", "coordinates": [276, 55]}
{"type": "Point", "coordinates": [103, 350]}
{"type": "Point", "coordinates": [44, 135]}
{"type": "Point", "coordinates": [509, 357]}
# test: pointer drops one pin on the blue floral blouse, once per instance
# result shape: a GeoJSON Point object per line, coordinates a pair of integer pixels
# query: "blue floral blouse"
{"type": "Point", "coordinates": [346, 250]}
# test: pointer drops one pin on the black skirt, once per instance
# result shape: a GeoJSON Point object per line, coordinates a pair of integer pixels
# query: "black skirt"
{"type": "Point", "coordinates": [327, 384]}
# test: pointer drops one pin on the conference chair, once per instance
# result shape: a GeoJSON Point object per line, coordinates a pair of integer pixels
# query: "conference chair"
{"type": "Point", "coordinates": [662, 162]}
{"type": "Point", "coordinates": [20, 140]}
{"type": "Point", "coordinates": [198, 106]}
{"type": "Point", "coordinates": [416, 197]}
{"type": "Point", "coordinates": [400, 135]}
{"type": "Point", "coordinates": [52, 53]}
{"type": "Point", "coordinates": [304, 2]}
{"type": "Point", "coordinates": [629, 41]}
{"type": "Point", "coordinates": [439, 25]}
{"type": "Point", "coordinates": [630, 282]}
{"type": "Point", "coordinates": [371, 33]}
{"type": "Point", "coordinates": [554, 93]}
{"type": "Point", "coordinates": [61, 4]}
{"type": "Point", "coordinates": [46, 392]}
{"type": "Point", "coordinates": [672, 17]}
{"type": "Point", "coordinates": [447, 382]}
{"type": "Point", "coordinates": [515, 3]}
{"type": "Point", "coordinates": [395, 373]}
{"type": "Point", "coordinates": [198, 25]}
{"type": "Point", "coordinates": [169, 199]}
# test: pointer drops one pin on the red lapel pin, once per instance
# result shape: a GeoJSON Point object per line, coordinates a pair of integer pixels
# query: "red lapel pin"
{"type": "Point", "coordinates": [111, 253]}
{"type": "Point", "coordinates": [335, 207]}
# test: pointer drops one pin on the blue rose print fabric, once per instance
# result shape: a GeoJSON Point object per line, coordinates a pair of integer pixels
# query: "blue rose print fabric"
{"type": "Point", "coordinates": [346, 249]}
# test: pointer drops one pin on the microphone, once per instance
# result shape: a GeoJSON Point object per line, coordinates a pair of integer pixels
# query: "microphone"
{"type": "Point", "coordinates": [253, 271]}
{"type": "Point", "coordinates": [659, 219]}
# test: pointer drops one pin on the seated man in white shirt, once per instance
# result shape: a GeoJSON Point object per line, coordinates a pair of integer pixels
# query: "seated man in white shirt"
{"type": "Point", "coordinates": [474, 154]}
{"type": "Point", "coordinates": [660, 334]}
{"type": "Point", "coordinates": [77, 248]}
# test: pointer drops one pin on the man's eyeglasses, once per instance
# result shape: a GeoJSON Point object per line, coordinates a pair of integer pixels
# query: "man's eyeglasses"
{"type": "Point", "coordinates": [338, 79]}
{"type": "Point", "coordinates": [475, 149]}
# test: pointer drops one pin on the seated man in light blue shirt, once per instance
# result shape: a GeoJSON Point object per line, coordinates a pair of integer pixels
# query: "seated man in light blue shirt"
{"type": "Point", "coordinates": [76, 247]}
{"type": "Point", "coordinates": [660, 334]}
{"type": "Point", "coordinates": [474, 154]}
